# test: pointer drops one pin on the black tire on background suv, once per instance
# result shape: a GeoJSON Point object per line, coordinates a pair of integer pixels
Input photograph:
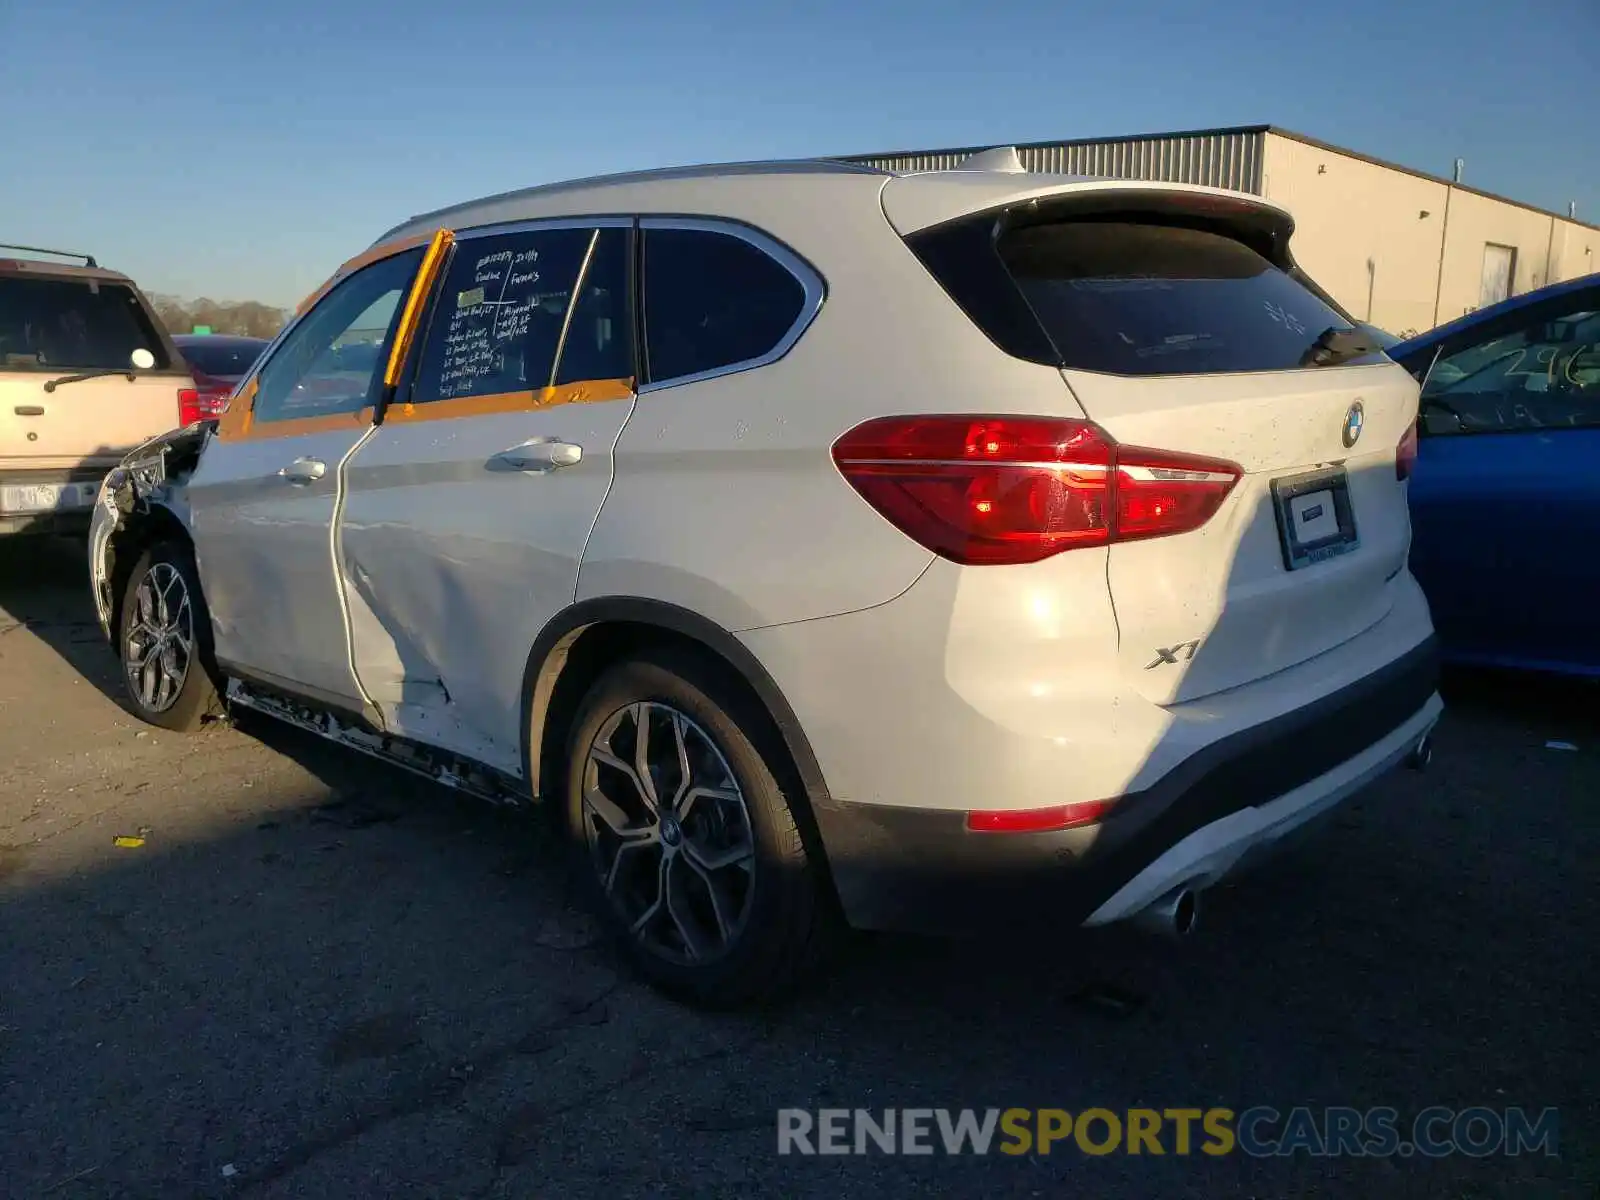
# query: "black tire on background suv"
{"type": "Point", "coordinates": [702, 875]}
{"type": "Point", "coordinates": [164, 641]}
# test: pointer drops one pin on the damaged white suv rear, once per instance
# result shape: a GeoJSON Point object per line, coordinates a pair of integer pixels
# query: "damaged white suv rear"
{"type": "Point", "coordinates": [821, 543]}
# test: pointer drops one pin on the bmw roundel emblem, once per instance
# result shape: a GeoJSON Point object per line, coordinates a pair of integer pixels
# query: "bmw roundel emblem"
{"type": "Point", "coordinates": [1352, 424]}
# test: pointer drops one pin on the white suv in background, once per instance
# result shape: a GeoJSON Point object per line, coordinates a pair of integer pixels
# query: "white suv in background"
{"type": "Point", "coordinates": [86, 371]}
{"type": "Point", "coordinates": [924, 549]}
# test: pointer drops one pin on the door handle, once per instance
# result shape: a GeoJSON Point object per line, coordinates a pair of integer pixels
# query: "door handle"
{"type": "Point", "coordinates": [29, 410]}
{"type": "Point", "coordinates": [304, 470]}
{"type": "Point", "coordinates": [539, 455]}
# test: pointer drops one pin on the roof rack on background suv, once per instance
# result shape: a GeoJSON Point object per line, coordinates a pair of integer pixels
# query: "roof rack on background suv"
{"type": "Point", "coordinates": [88, 259]}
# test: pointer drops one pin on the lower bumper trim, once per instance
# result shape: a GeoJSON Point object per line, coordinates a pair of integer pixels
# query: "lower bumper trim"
{"type": "Point", "coordinates": [921, 869]}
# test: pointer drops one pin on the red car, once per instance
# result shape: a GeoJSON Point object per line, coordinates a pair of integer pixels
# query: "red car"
{"type": "Point", "coordinates": [217, 362]}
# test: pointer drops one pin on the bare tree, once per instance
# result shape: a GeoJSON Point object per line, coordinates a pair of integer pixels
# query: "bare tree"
{"type": "Point", "coordinates": [248, 318]}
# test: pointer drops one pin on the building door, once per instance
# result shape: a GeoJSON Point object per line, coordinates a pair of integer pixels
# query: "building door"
{"type": "Point", "coordinates": [1499, 269]}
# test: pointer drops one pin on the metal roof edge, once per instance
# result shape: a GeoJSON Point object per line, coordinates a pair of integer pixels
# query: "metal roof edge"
{"type": "Point", "coordinates": [1291, 134]}
{"type": "Point", "coordinates": [1091, 141]}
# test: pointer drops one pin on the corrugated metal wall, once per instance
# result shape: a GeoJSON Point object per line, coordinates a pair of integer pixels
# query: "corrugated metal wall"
{"type": "Point", "coordinates": [1229, 159]}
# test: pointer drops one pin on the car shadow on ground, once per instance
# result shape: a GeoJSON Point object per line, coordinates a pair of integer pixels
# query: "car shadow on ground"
{"type": "Point", "coordinates": [44, 587]}
{"type": "Point", "coordinates": [385, 987]}
{"type": "Point", "coordinates": [381, 986]}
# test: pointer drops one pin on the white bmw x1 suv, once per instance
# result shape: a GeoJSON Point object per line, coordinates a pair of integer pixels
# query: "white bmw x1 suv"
{"type": "Point", "coordinates": [817, 541]}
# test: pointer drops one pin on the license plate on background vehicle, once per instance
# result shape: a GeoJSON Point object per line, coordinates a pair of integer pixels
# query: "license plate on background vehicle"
{"type": "Point", "coordinates": [19, 498]}
{"type": "Point", "coordinates": [1315, 520]}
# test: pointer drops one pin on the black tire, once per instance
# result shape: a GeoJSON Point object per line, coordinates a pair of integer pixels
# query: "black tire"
{"type": "Point", "coordinates": [183, 707]}
{"type": "Point", "coordinates": [786, 919]}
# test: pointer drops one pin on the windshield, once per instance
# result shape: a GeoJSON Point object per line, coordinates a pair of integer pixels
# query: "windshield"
{"type": "Point", "coordinates": [1141, 298]}
{"type": "Point", "coordinates": [62, 325]}
{"type": "Point", "coordinates": [226, 358]}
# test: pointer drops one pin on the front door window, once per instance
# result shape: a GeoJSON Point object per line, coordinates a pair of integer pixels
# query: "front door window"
{"type": "Point", "coordinates": [1542, 375]}
{"type": "Point", "coordinates": [332, 363]}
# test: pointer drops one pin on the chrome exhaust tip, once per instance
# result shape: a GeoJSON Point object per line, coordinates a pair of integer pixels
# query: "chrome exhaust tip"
{"type": "Point", "coordinates": [1175, 915]}
{"type": "Point", "coordinates": [1421, 756]}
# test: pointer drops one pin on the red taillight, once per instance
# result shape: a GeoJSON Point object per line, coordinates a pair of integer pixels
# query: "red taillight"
{"type": "Point", "coordinates": [1039, 820]}
{"type": "Point", "coordinates": [1006, 490]}
{"type": "Point", "coordinates": [207, 399]}
{"type": "Point", "coordinates": [1405, 455]}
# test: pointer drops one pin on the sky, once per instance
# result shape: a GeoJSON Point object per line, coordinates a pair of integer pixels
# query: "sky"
{"type": "Point", "coordinates": [242, 151]}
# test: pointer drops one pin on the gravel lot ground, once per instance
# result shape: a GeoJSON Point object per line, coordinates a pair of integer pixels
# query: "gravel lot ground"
{"type": "Point", "coordinates": [320, 977]}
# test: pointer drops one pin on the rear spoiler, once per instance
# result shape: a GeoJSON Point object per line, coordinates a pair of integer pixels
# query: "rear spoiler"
{"type": "Point", "coordinates": [992, 199]}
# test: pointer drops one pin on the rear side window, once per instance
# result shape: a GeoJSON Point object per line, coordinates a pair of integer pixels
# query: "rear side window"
{"type": "Point", "coordinates": [73, 324]}
{"type": "Point", "coordinates": [712, 302]}
{"type": "Point", "coordinates": [1131, 297]}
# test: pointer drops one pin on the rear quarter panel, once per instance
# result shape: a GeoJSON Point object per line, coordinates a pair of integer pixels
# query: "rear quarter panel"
{"type": "Point", "coordinates": [726, 500]}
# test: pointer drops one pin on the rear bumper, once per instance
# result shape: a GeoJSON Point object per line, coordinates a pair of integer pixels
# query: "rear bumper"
{"type": "Point", "coordinates": [73, 521]}
{"type": "Point", "coordinates": [921, 869]}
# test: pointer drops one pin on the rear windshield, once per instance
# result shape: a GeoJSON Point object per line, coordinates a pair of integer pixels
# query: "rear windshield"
{"type": "Point", "coordinates": [1139, 297]}
{"type": "Point", "coordinates": [223, 358]}
{"type": "Point", "coordinates": [73, 325]}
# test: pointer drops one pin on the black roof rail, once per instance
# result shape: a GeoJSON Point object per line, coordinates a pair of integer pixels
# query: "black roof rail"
{"type": "Point", "coordinates": [88, 259]}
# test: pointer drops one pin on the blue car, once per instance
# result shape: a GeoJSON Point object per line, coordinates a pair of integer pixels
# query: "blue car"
{"type": "Point", "coordinates": [1505, 494]}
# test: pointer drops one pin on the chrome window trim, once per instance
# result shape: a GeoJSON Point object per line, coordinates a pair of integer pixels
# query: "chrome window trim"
{"type": "Point", "coordinates": [816, 292]}
{"type": "Point", "coordinates": [535, 224]}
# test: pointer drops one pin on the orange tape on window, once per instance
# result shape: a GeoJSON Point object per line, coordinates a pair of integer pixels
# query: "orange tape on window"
{"type": "Point", "coordinates": [405, 333]}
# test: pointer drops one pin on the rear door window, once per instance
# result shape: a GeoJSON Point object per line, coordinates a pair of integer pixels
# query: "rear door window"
{"type": "Point", "coordinates": [521, 312]}
{"type": "Point", "coordinates": [73, 324]}
{"type": "Point", "coordinates": [714, 302]}
{"type": "Point", "coordinates": [1137, 298]}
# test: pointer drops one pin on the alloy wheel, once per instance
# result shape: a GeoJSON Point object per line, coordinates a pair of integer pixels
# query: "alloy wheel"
{"type": "Point", "coordinates": [159, 643]}
{"type": "Point", "coordinates": [669, 832]}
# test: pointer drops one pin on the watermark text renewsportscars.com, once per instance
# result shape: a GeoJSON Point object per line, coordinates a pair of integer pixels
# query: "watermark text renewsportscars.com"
{"type": "Point", "coordinates": [1260, 1132]}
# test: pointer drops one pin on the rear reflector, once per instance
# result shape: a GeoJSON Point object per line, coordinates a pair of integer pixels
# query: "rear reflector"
{"type": "Point", "coordinates": [1004, 490]}
{"type": "Point", "coordinates": [1405, 455]}
{"type": "Point", "coordinates": [1039, 820]}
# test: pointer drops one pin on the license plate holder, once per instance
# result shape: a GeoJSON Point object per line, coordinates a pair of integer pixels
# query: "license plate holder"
{"type": "Point", "coordinates": [1315, 519]}
{"type": "Point", "coordinates": [29, 499]}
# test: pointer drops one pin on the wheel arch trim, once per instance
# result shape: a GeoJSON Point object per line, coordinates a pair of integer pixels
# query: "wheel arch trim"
{"type": "Point", "coordinates": [548, 659]}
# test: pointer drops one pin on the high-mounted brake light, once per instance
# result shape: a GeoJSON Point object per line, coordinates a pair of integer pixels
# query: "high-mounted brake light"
{"type": "Point", "coordinates": [1405, 455]}
{"type": "Point", "coordinates": [1005, 490]}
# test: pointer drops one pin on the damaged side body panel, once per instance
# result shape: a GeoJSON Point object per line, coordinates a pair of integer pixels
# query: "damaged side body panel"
{"type": "Point", "coordinates": [143, 501]}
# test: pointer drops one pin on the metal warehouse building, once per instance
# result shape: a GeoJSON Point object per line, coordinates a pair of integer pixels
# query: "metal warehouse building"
{"type": "Point", "coordinates": [1399, 248]}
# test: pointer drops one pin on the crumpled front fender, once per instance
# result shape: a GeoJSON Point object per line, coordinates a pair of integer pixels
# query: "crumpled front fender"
{"type": "Point", "coordinates": [150, 477]}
